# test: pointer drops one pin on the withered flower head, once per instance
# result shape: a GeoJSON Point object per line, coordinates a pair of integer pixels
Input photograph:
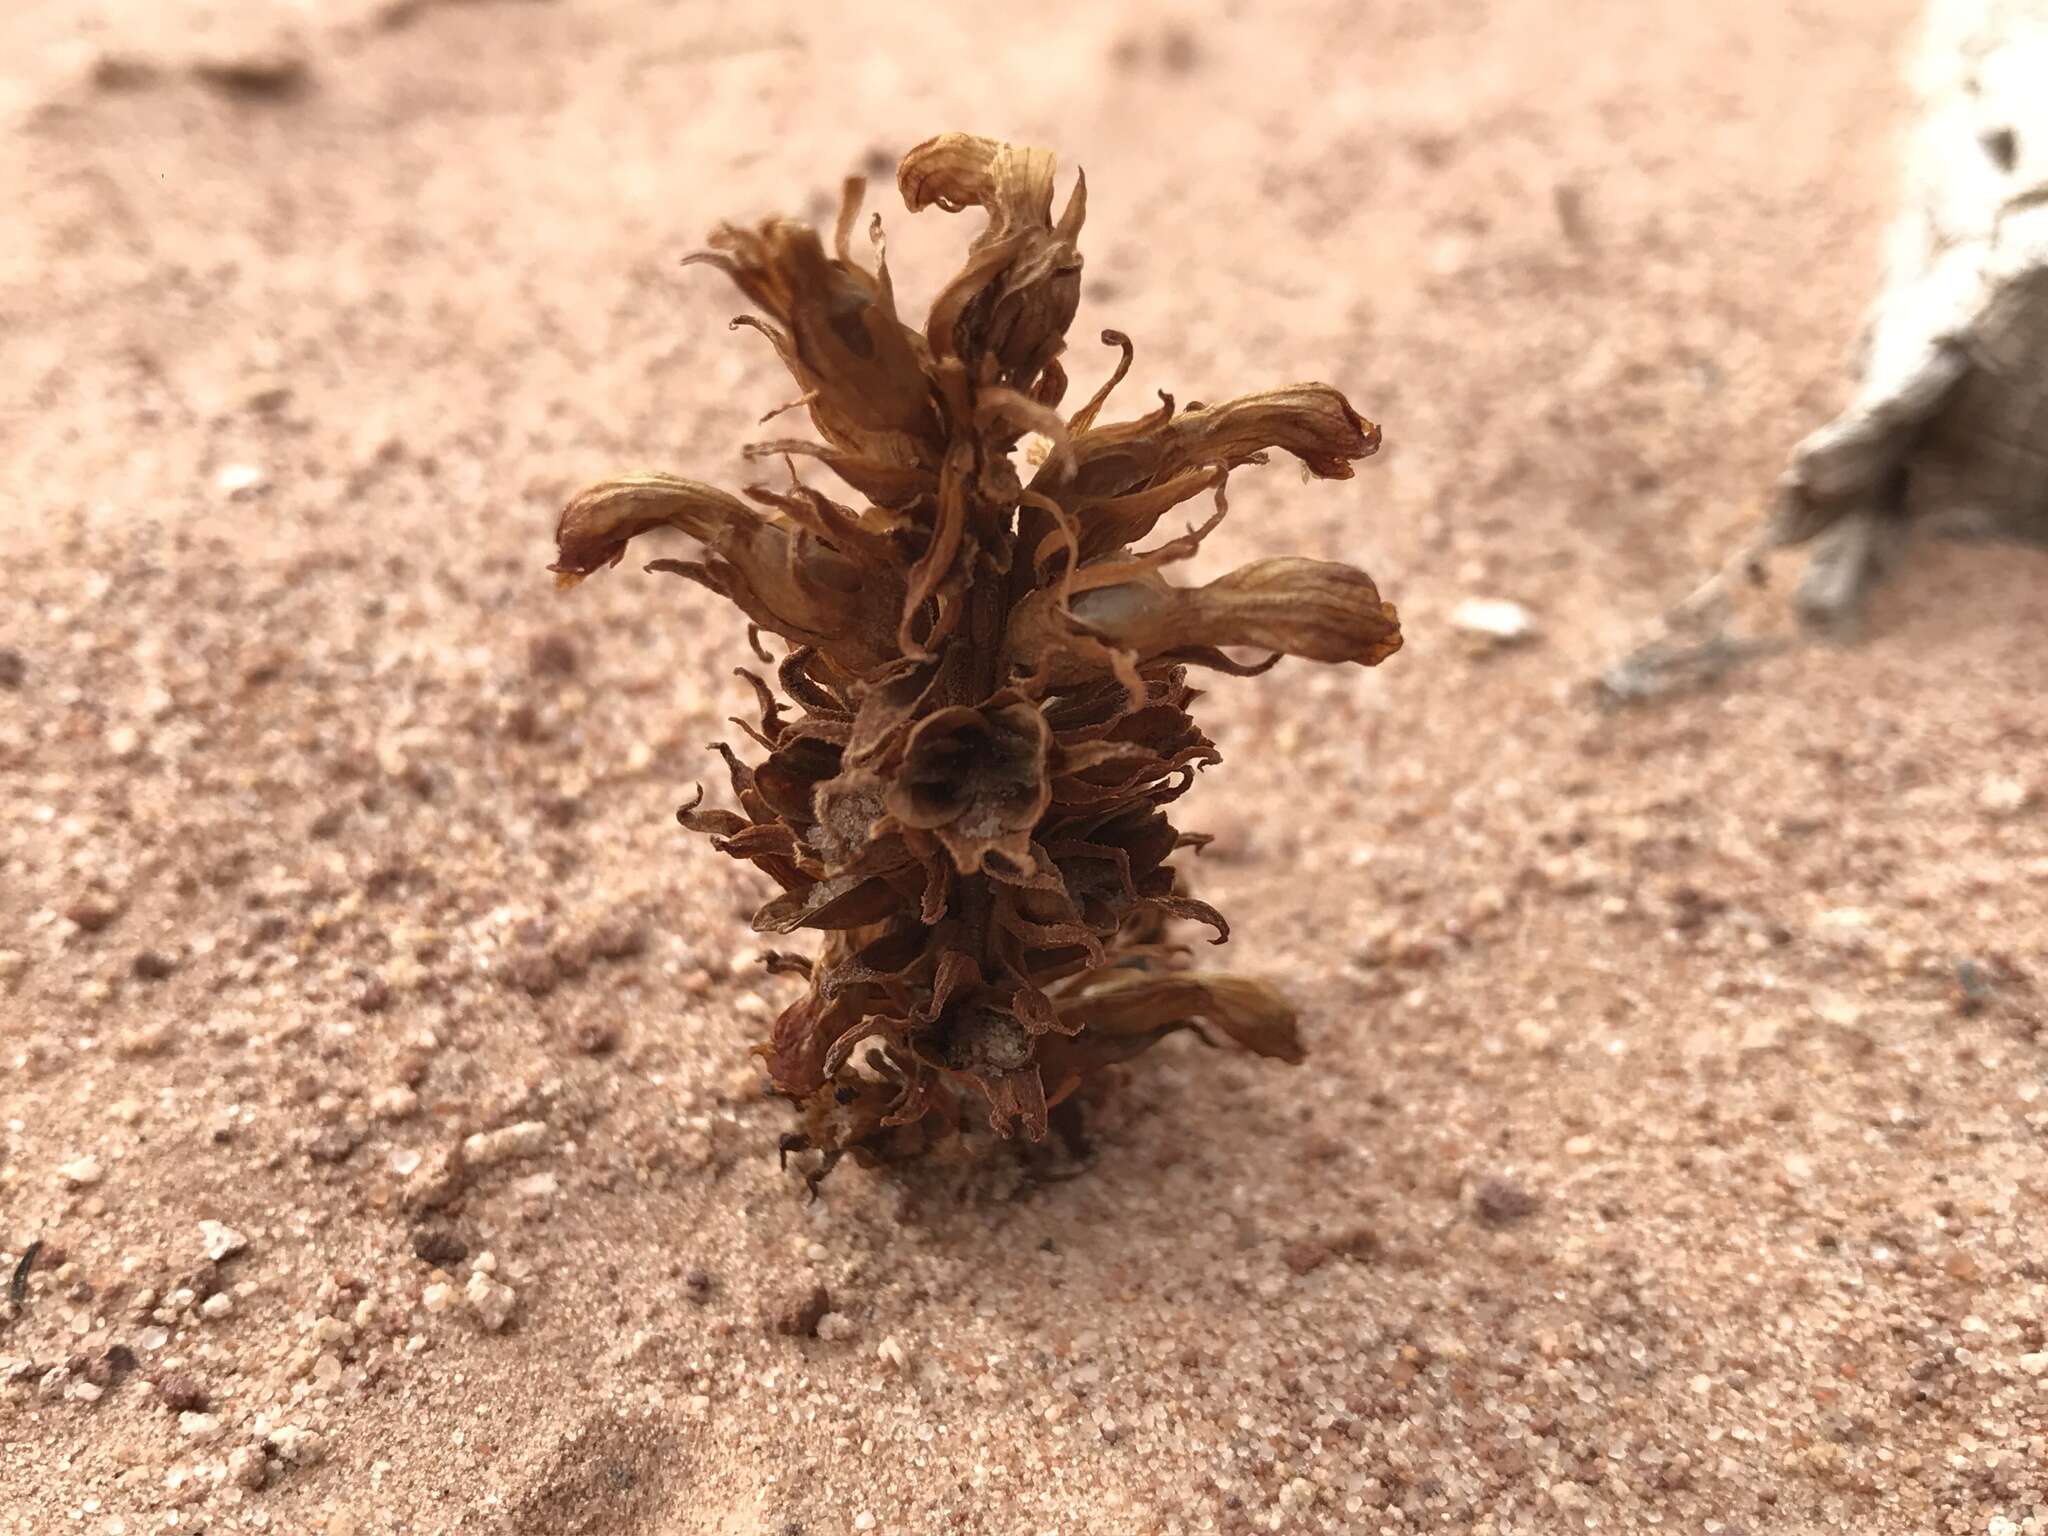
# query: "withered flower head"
{"type": "Point", "coordinates": [989, 676]}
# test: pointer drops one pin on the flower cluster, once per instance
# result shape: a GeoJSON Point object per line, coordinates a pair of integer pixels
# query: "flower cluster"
{"type": "Point", "coordinates": [970, 745]}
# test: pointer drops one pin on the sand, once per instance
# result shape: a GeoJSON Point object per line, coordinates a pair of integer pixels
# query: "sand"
{"type": "Point", "coordinates": [1671, 1152]}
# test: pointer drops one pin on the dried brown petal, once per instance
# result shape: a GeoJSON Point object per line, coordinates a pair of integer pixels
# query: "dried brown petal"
{"type": "Point", "coordinates": [1252, 1013]}
{"type": "Point", "coordinates": [1313, 422]}
{"type": "Point", "coordinates": [845, 344]}
{"type": "Point", "coordinates": [788, 583]}
{"type": "Point", "coordinates": [1022, 284]}
{"type": "Point", "coordinates": [978, 779]}
{"type": "Point", "coordinates": [1310, 608]}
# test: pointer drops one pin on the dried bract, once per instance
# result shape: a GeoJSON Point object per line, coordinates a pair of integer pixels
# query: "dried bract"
{"type": "Point", "coordinates": [982, 712]}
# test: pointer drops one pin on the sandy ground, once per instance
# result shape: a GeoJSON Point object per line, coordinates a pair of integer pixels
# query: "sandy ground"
{"type": "Point", "coordinates": [1671, 1154]}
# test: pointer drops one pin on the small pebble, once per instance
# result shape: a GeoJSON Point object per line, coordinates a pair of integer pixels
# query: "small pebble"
{"type": "Point", "coordinates": [201, 1427]}
{"type": "Point", "coordinates": [334, 1144]}
{"type": "Point", "coordinates": [486, 1149]}
{"type": "Point", "coordinates": [1306, 1256]}
{"type": "Point", "coordinates": [2004, 796]}
{"type": "Point", "coordinates": [1498, 1203]}
{"type": "Point", "coordinates": [439, 1247]}
{"type": "Point", "coordinates": [217, 1306]}
{"type": "Point", "coordinates": [835, 1327]}
{"type": "Point", "coordinates": [437, 1181]}
{"type": "Point", "coordinates": [1495, 619]}
{"type": "Point", "coordinates": [81, 1172]}
{"type": "Point", "coordinates": [491, 1301]}
{"type": "Point", "coordinates": [797, 1314]}
{"type": "Point", "coordinates": [90, 914]}
{"type": "Point", "coordinates": [299, 1446]}
{"type": "Point", "coordinates": [220, 1241]}
{"type": "Point", "coordinates": [438, 1297]}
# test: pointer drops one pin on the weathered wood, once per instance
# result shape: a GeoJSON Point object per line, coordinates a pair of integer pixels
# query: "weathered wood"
{"type": "Point", "coordinates": [1948, 426]}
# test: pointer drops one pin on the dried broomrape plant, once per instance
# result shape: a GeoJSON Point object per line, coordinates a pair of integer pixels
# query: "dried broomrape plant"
{"type": "Point", "coordinates": [983, 711]}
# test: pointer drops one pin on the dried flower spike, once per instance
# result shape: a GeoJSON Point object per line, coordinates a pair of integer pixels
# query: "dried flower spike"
{"type": "Point", "coordinates": [989, 678]}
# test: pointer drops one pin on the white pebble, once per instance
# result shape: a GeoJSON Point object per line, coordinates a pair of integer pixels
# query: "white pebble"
{"type": "Point", "coordinates": [487, 1148]}
{"type": "Point", "coordinates": [491, 1302]}
{"type": "Point", "coordinates": [1494, 618]}
{"type": "Point", "coordinates": [2034, 1364]}
{"type": "Point", "coordinates": [892, 1353]}
{"type": "Point", "coordinates": [247, 1467]}
{"type": "Point", "coordinates": [239, 479]}
{"type": "Point", "coordinates": [2002, 796]}
{"type": "Point", "coordinates": [394, 1103]}
{"type": "Point", "coordinates": [835, 1326]}
{"type": "Point", "coordinates": [863, 1521]}
{"type": "Point", "coordinates": [199, 1426]}
{"type": "Point", "coordinates": [438, 1297]}
{"type": "Point", "coordinates": [217, 1306]}
{"type": "Point", "coordinates": [81, 1172]}
{"type": "Point", "coordinates": [298, 1445]}
{"type": "Point", "coordinates": [222, 1242]}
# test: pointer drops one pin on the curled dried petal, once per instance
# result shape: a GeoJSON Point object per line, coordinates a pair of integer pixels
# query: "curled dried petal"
{"type": "Point", "coordinates": [977, 778]}
{"type": "Point", "coordinates": [802, 1034]}
{"type": "Point", "coordinates": [1251, 1013]}
{"type": "Point", "coordinates": [851, 354]}
{"type": "Point", "coordinates": [1310, 608]}
{"type": "Point", "coordinates": [790, 583]}
{"type": "Point", "coordinates": [1023, 281]}
{"type": "Point", "coordinates": [1313, 422]}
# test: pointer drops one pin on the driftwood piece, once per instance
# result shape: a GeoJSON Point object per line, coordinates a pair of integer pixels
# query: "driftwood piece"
{"type": "Point", "coordinates": [1947, 430]}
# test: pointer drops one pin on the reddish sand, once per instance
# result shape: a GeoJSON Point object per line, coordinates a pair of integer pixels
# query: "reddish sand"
{"type": "Point", "coordinates": [1671, 1150]}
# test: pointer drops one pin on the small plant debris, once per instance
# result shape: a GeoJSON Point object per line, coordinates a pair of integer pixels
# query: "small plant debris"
{"type": "Point", "coordinates": [990, 678]}
{"type": "Point", "coordinates": [17, 1284]}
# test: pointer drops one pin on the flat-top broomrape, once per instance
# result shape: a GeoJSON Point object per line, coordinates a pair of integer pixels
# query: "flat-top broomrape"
{"type": "Point", "coordinates": [982, 715]}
